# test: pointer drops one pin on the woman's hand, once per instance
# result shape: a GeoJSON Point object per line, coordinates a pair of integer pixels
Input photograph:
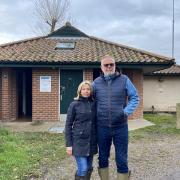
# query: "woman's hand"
{"type": "Point", "coordinates": [69, 150]}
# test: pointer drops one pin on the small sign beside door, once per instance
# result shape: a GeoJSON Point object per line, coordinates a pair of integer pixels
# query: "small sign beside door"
{"type": "Point", "coordinates": [45, 83]}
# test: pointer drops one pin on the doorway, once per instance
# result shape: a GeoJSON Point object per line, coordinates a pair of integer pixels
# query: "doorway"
{"type": "Point", "coordinates": [69, 81]}
{"type": "Point", "coordinates": [24, 89]}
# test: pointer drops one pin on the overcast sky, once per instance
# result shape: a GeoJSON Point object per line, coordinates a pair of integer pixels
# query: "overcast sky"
{"type": "Point", "coordinates": [143, 24]}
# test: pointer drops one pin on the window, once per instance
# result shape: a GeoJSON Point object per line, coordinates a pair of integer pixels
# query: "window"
{"type": "Point", "coordinates": [65, 45]}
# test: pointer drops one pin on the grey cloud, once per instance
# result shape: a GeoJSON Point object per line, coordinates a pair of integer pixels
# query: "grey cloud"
{"type": "Point", "coordinates": [15, 15]}
{"type": "Point", "coordinates": [142, 24]}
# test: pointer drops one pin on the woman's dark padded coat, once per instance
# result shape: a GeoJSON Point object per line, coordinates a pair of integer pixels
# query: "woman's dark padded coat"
{"type": "Point", "coordinates": [80, 129]}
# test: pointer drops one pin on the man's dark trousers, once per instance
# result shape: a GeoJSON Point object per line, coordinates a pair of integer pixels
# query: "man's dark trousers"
{"type": "Point", "coordinates": [119, 136]}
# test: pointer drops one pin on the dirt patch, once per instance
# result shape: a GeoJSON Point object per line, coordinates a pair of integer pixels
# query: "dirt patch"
{"type": "Point", "coordinates": [157, 158]}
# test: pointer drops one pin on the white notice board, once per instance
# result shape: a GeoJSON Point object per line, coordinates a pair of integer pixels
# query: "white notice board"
{"type": "Point", "coordinates": [45, 83]}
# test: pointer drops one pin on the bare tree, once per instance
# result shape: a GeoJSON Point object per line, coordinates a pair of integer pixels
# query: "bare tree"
{"type": "Point", "coordinates": [52, 12]}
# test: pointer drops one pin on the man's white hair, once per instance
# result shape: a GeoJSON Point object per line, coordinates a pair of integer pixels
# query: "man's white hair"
{"type": "Point", "coordinates": [107, 57]}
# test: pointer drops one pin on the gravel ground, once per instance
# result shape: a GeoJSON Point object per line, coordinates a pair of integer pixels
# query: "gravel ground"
{"type": "Point", "coordinates": [157, 158]}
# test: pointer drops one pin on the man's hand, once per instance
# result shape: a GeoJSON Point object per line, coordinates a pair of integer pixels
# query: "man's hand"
{"type": "Point", "coordinates": [69, 150]}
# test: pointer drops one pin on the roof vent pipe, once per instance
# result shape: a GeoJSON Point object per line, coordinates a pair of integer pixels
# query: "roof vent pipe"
{"type": "Point", "coordinates": [68, 23]}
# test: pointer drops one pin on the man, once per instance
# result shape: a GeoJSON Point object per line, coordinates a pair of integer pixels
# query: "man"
{"type": "Point", "coordinates": [116, 99]}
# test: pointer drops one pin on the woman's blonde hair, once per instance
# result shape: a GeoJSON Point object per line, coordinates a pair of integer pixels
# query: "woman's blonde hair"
{"type": "Point", "coordinates": [80, 87]}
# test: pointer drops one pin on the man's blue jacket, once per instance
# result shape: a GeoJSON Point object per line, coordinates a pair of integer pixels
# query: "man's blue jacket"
{"type": "Point", "coordinates": [116, 99]}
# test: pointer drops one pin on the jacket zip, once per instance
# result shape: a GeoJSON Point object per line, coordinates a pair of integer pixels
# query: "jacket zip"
{"type": "Point", "coordinates": [109, 102]}
{"type": "Point", "coordinates": [89, 104]}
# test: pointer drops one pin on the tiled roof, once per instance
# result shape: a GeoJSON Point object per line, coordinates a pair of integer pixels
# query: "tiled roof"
{"type": "Point", "coordinates": [173, 70]}
{"type": "Point", "coordinates": [87, 50]}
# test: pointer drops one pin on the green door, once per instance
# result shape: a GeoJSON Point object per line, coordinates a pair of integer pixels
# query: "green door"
{"type": "Point", "coordinates": [69, 81]}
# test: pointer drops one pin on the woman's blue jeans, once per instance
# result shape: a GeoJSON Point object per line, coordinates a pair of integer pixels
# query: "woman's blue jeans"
{"type": "Point", "coordinates": [119, 137]}
{"type": "Point", "coordinates": [84, 164]}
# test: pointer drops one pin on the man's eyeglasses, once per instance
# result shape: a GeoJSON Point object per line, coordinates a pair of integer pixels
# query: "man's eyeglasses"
{"type": "Point", "coordinates": [108, 65]}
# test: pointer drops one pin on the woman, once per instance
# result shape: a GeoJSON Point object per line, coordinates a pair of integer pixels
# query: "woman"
{"type": "Point", "coordinates": [80, 131]}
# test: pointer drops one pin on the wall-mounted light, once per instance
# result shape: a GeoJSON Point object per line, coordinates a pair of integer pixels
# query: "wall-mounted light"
{"type": "Point", "coordinates": [5, 75]}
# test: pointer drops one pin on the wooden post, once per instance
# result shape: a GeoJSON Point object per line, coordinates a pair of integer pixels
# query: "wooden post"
{"type": "Point", "coordinates": [178, 115]}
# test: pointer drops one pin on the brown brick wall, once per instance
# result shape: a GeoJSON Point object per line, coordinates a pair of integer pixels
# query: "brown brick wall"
{"type": "Point", "coordinates": [5, 95]}
{"type": "Point", "coordinates": [13, 101]}
{"type": "Point", "coordinates": [88, 74]}
{"type": "Point", "coordinates": [136, 77]}
{"type": "Point", "coordinates": [45, 105]}
{"type": "Point", "coordinates": [9, 100]}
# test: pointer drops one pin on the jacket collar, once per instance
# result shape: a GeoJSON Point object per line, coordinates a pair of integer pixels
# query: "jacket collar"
{"type": "Point", "coordinates": [81, 98]}
{"type": "Point", "coordinates": [111, 77]}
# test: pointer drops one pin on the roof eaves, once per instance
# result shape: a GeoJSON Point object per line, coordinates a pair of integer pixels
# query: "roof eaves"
{"type": "Point", "coordinates": [162, 74]}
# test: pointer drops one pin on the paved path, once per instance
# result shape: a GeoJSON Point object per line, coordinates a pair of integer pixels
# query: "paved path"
{"type": "Point", "coordinates": [58, 127]}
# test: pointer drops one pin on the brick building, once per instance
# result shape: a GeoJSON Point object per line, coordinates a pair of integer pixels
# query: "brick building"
{"type": "Point", "coordinates": [39, 76]}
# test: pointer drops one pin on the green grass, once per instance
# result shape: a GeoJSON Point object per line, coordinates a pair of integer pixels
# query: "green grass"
{"type": "Point", "coordinates": [22, 154]}
{"type": "Point", "coordinates": [164, 125]}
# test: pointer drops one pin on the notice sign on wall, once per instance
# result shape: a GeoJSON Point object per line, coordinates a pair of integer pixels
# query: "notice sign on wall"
{"type": "Point", "coordinates": [45, 83]}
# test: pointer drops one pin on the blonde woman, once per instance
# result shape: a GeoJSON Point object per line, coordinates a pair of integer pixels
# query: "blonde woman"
{"type": "Point", "coordinates": [80, 131]}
